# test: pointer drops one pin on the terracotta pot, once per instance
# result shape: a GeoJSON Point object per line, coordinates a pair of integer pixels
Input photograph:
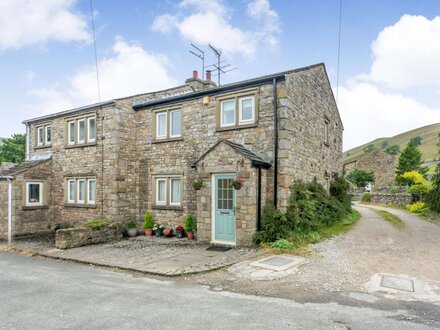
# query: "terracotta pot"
{"type": "Point", "coordinates": [149, 232]}
{"type": "Point", "coordinates": [190, 235]}
{"type": "Point", "coordinates": [168, 232]}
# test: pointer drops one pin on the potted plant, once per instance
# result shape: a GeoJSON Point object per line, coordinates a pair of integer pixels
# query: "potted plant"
{"type": "Point", "coordinates": [179, 231]}
{"type": "Point", "coordinates": [197, 184]}
{"type": "Point", "coordinates": [190, 226]}
{"type": "Point", "coordinates": [158, 229]}
{"type": "Point", "coordinates": [148, 224]}
{"type": "Point", "coordinates": [131, 228]}
{"type": "Point", "coordinates": [238, 183]}
{"type": "Point", "coordinates": [168, 232]}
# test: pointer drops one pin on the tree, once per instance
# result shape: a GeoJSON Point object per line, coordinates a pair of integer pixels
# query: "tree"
{"type": "Point", "coordinates": [13, 149]}
{"type": "Point", "coordinates": [384, 144]}
{"type": "Point", "coordinates": [410, 160]}
{"type": "Point", "coordinates": [369, 148]}
{"type": "Point", "coordinates": [360, 177]}
{"type": "Point", "coordinates": [417, 140]}
{"type": "Point", "coordinates": [433, 197]}
{"type": "Point", "coordinates": [393, 150]}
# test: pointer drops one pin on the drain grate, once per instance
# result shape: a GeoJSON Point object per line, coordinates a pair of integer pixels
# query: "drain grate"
{"type": "Point", "coordinates": [279, 263]}
{"type": "Point", "coordinates": [218, 248]}
{"type": "Point", "coordinates": [397, 283]}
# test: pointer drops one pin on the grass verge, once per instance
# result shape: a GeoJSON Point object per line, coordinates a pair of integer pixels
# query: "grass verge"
{"type": "Point", "coordinates": [391, 218]}
{"type": "Point", "coordinates": [298, 242]}
{"type": "Point", "coordinates": [431, 217]}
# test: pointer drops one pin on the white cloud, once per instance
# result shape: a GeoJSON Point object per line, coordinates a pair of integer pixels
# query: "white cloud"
{"type": "Point", "coordinates": [406, 54]}
{"type": "Point", "coordinates": [369, 113]}
{"type": "Point", "coordinates": [210, 22]}
{"type": "Point", "coordinates": [27, 22]}
{"type": "Point", "coordinates": [131, 70]}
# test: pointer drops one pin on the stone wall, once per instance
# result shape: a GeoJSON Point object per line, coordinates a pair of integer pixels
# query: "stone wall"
{"type": "Point", "coordinates": [75, 237]}
{"type": "Point", "coordinates": [396, 199]}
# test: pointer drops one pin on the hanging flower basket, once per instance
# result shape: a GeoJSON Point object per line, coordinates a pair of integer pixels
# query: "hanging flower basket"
{"type": "Point", "coordinates": [198, 184]}
{"type": "Point", "coordinates": [238, 183]}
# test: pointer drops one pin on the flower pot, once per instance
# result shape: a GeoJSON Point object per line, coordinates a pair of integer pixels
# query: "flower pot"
{"type": "Point", "coordinates": [158, 232]}
{"type": "Point", "coordinates": [190, 235]}
{"type": "Point", "coordinates": [179, 233]}
{"type": "Point", "coordinates": [149, 232]}
{"type": "Point", "coordinates": [132, 232]}
{"type": "Point", "coordinates": [197, 188]}
{"type": "Point", "coordinates": [237, 187]}
{"type": "Point", "coordinates": [168, 232]}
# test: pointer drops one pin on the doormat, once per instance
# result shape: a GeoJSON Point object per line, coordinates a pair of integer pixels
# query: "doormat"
{"type": "Point", "coordinates": [218, 248]}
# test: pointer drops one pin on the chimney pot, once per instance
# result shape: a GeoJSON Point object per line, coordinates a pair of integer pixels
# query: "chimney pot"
{"type": "Point", "coordinates": [208, 74]}
{"type": "Point", "coordinates": [195, 74]}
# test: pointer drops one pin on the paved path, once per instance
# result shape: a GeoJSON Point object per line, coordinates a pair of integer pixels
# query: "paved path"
{"type": "Point", "coordinates": [50, 294]}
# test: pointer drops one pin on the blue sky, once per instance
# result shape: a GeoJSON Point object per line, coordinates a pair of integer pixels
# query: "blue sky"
{"type": "Point", "coordinates": [389, 70]}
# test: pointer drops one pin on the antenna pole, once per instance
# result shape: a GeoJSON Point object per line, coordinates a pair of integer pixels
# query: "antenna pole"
{"type": "Point", "coordinates": [96, 56]}
{"type": "Point", "coordinates": [218, 53]}
{"type": "Point", "coordinates": [202, 57]}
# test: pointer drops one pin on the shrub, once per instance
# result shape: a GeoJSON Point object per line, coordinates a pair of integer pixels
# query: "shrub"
{"type": "Point", "coordinates": [148, 221]}
{"type": "Point", "coordinates": [339, 189]}
{"type": "Point", "coordinates": [274, 225]}
{"type": "Point", "coordinates": [394, 190]}
{"type": "Point", "coordinates": [131, 224]}
{"type": "Point", "coordinates": [283, 244]}
{"type": "Point", "coordinates": [63, 225]}
{"type": "Point", "coordinates": [97, 224]}
{"type": "Point", "coordinates": [418, 189]}
{"type": "Point", "coordinates": [433, 197]}
{"type": "Point", "coordinates": [190, 223]}
{"type": "Point", "coordinates": [418, 207]}
{"type": "Point", "coordinates": [366, 197]}
{"type": "Point", "coordinates": [414, 177]}
{"type": "Point", "coordinates": [360, 177]}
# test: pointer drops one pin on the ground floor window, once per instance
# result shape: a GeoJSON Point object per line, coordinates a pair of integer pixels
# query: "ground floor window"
{"type": "Point", "coordinates": [168, 191]}
{"type": "Point", "coordinates": [34, 193]}
{"type": "Point", "coordinates": [81, 191]}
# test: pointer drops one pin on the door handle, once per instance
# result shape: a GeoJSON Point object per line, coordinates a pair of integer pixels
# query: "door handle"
{"type": "Point", "coordinates": [234, 210]}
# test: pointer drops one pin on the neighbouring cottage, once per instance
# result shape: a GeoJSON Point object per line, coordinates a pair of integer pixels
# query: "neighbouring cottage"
{"type": "Point", "coordinates": [117, 159]}
{"type": "Point", "coordinates": [379, 162]}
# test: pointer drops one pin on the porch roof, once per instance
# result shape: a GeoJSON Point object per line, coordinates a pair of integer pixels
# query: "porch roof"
{"type": "Point", "coordinates": [19, 168]}
{"type": "Point", "coordinates": [256, 159]}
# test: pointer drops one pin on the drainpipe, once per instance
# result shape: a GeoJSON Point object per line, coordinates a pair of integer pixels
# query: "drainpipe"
{"type": "Point", "coordinates": [275, 169]}
{"type": "Point", "coordinates": [9, 178]}
{"type": "Point", "coordinates": [259, 200]}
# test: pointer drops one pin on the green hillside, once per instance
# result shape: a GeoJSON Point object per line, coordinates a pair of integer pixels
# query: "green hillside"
{"type": "Point", "coordinates": [428, 148]}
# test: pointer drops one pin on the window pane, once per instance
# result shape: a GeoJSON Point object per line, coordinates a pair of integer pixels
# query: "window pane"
{"type": "Point", "coordinates": [228, 112]}
{"type": "Point", "coordinates": [40, 135]}
{"type": "Point", "coordinates": [175, 191]}
{"type": "Point", "coordinates": [161, 191]}
{"type": "Point", "coordinates": [48, 134]}
{"type": "Point", "coordinates": [71, 190]}
{"type": "Point", "coordinates": [161, 125]}
{"type": "Point", "coordinates": [34, 193]}
{"type": "Point", "coordinates": [81, 135]}
{"type": "Point", "coordinates": [176, 123]}
{"type": "Point", "coordinates": [81, 189]}
{"type": "Point", "coordinates": [247, 109]}
{"type": "Point", "coordinates": [71, 132]}
{"type": "Point", "coordinates": [91, 190]}
{"type": "Point", "coordinates": [92, 129]}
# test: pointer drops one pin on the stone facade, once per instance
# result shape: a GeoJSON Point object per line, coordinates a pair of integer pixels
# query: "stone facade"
{"type": "Point", "coordinates": [379, 162]}
{"type": "Point", "coordinates": [126, 158]}
{"type": "Point", "coordinates": [395, 199]}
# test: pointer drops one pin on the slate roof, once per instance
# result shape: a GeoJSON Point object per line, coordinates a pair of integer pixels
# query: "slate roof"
{"type": "Point", "coordinates": [256, 158]}
{"type": "Point", "coordinates": [19, 168]}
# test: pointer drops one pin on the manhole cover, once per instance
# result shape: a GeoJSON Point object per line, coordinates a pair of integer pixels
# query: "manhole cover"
{"type": "Point", "coordinates": [397, 283]}
{"type": "Point", "coordinates": [279, 263]}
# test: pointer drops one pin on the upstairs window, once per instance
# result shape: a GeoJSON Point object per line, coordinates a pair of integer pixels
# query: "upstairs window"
{"type": "Point", "coordinates": [168, 124]}
{"type": "Point", "coordinates": [40, 136]}
{"type": "Point", "coordinates": [48, 132]}
{"type": "Point", "coordinates": [246, 105]}
{"type": "Point", "coordinates": [81, 131]}
{"type": "Point", "coordinates": [228, 113]}
{"type": "Point", "coordinates": [237, 110]}
{"type": "Point", "coordinates": [43, 136]}
{"type": "Point", "coordinates": [34, 193]}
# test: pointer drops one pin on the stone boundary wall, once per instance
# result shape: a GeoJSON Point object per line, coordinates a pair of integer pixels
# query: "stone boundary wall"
{"type": "Point", "coordinates": [396, 199]}
{"type": "Point", "coordinates": [76, 237]}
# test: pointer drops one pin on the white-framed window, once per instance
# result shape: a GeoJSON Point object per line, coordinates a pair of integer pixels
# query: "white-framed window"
{"type": "Point", "coordinates": [227, 113]}
{"type": "Point", "coordinates": [176, 123]}
{"type": "Point", "coordinates": [161, 191]}
{"type": "Point", "coordinates": [91, 129]}
{"type": "Point", "coordinates": [34, 193]}
{"type": "Point", "coordinates": [326, 130]}
{"type": "Point", "coordinates": [81, 131]}
{"type": "Point", "coordinates": [81, 191]}
{"type": "Point", "coordinates": [91, 191]}
{"type": "Point", "coordinates": [48, 134]}
{"type": "Point", "coordinates": [246, 109]}
{"type": "Point", "coordinates": [161, 125]}
{"type": "Point", "coordinates": [71, 132]}
{"type": "Point", "coordinates": [71, 191]}
{"type": "Point", "coordinates": [40, 136]}
{"type": "Point", "coordinates": [175, 191]}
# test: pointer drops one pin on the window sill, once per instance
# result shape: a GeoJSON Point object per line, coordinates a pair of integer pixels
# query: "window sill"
{"type": "Point", "coordinates": [83, 206]}
{"type": "Point", "coordinates": [43, 146]}
{"type": "Point", "coordinates": [36, 207]}
{"type": "Point", "coordinates": [79, 145]}
{"type": "Point", "coordinates": [230, 128]}
{"type": "Point", "coordinates": [167, 140]}
{"type": "Point", "coordinates": [167, 207]}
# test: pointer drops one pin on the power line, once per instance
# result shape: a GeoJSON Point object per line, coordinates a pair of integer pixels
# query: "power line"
{"type": "Point", "coordinates": [94, 45]}
{"type": "Point", "coordinates": [339, 52]}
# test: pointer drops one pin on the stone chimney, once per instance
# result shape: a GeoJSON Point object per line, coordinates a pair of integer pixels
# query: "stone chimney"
{"type": "Point", "coordinates": [198, 84]}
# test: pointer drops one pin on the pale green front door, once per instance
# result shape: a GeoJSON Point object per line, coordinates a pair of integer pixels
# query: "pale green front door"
{"type": "Point", "coordinates": [224, 209]}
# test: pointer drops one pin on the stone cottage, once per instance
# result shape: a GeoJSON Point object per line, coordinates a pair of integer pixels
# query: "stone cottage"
{"type": "Point", "coordinates": [117, 159]}
{"type": "Point", "coordinates": [380, 163]}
